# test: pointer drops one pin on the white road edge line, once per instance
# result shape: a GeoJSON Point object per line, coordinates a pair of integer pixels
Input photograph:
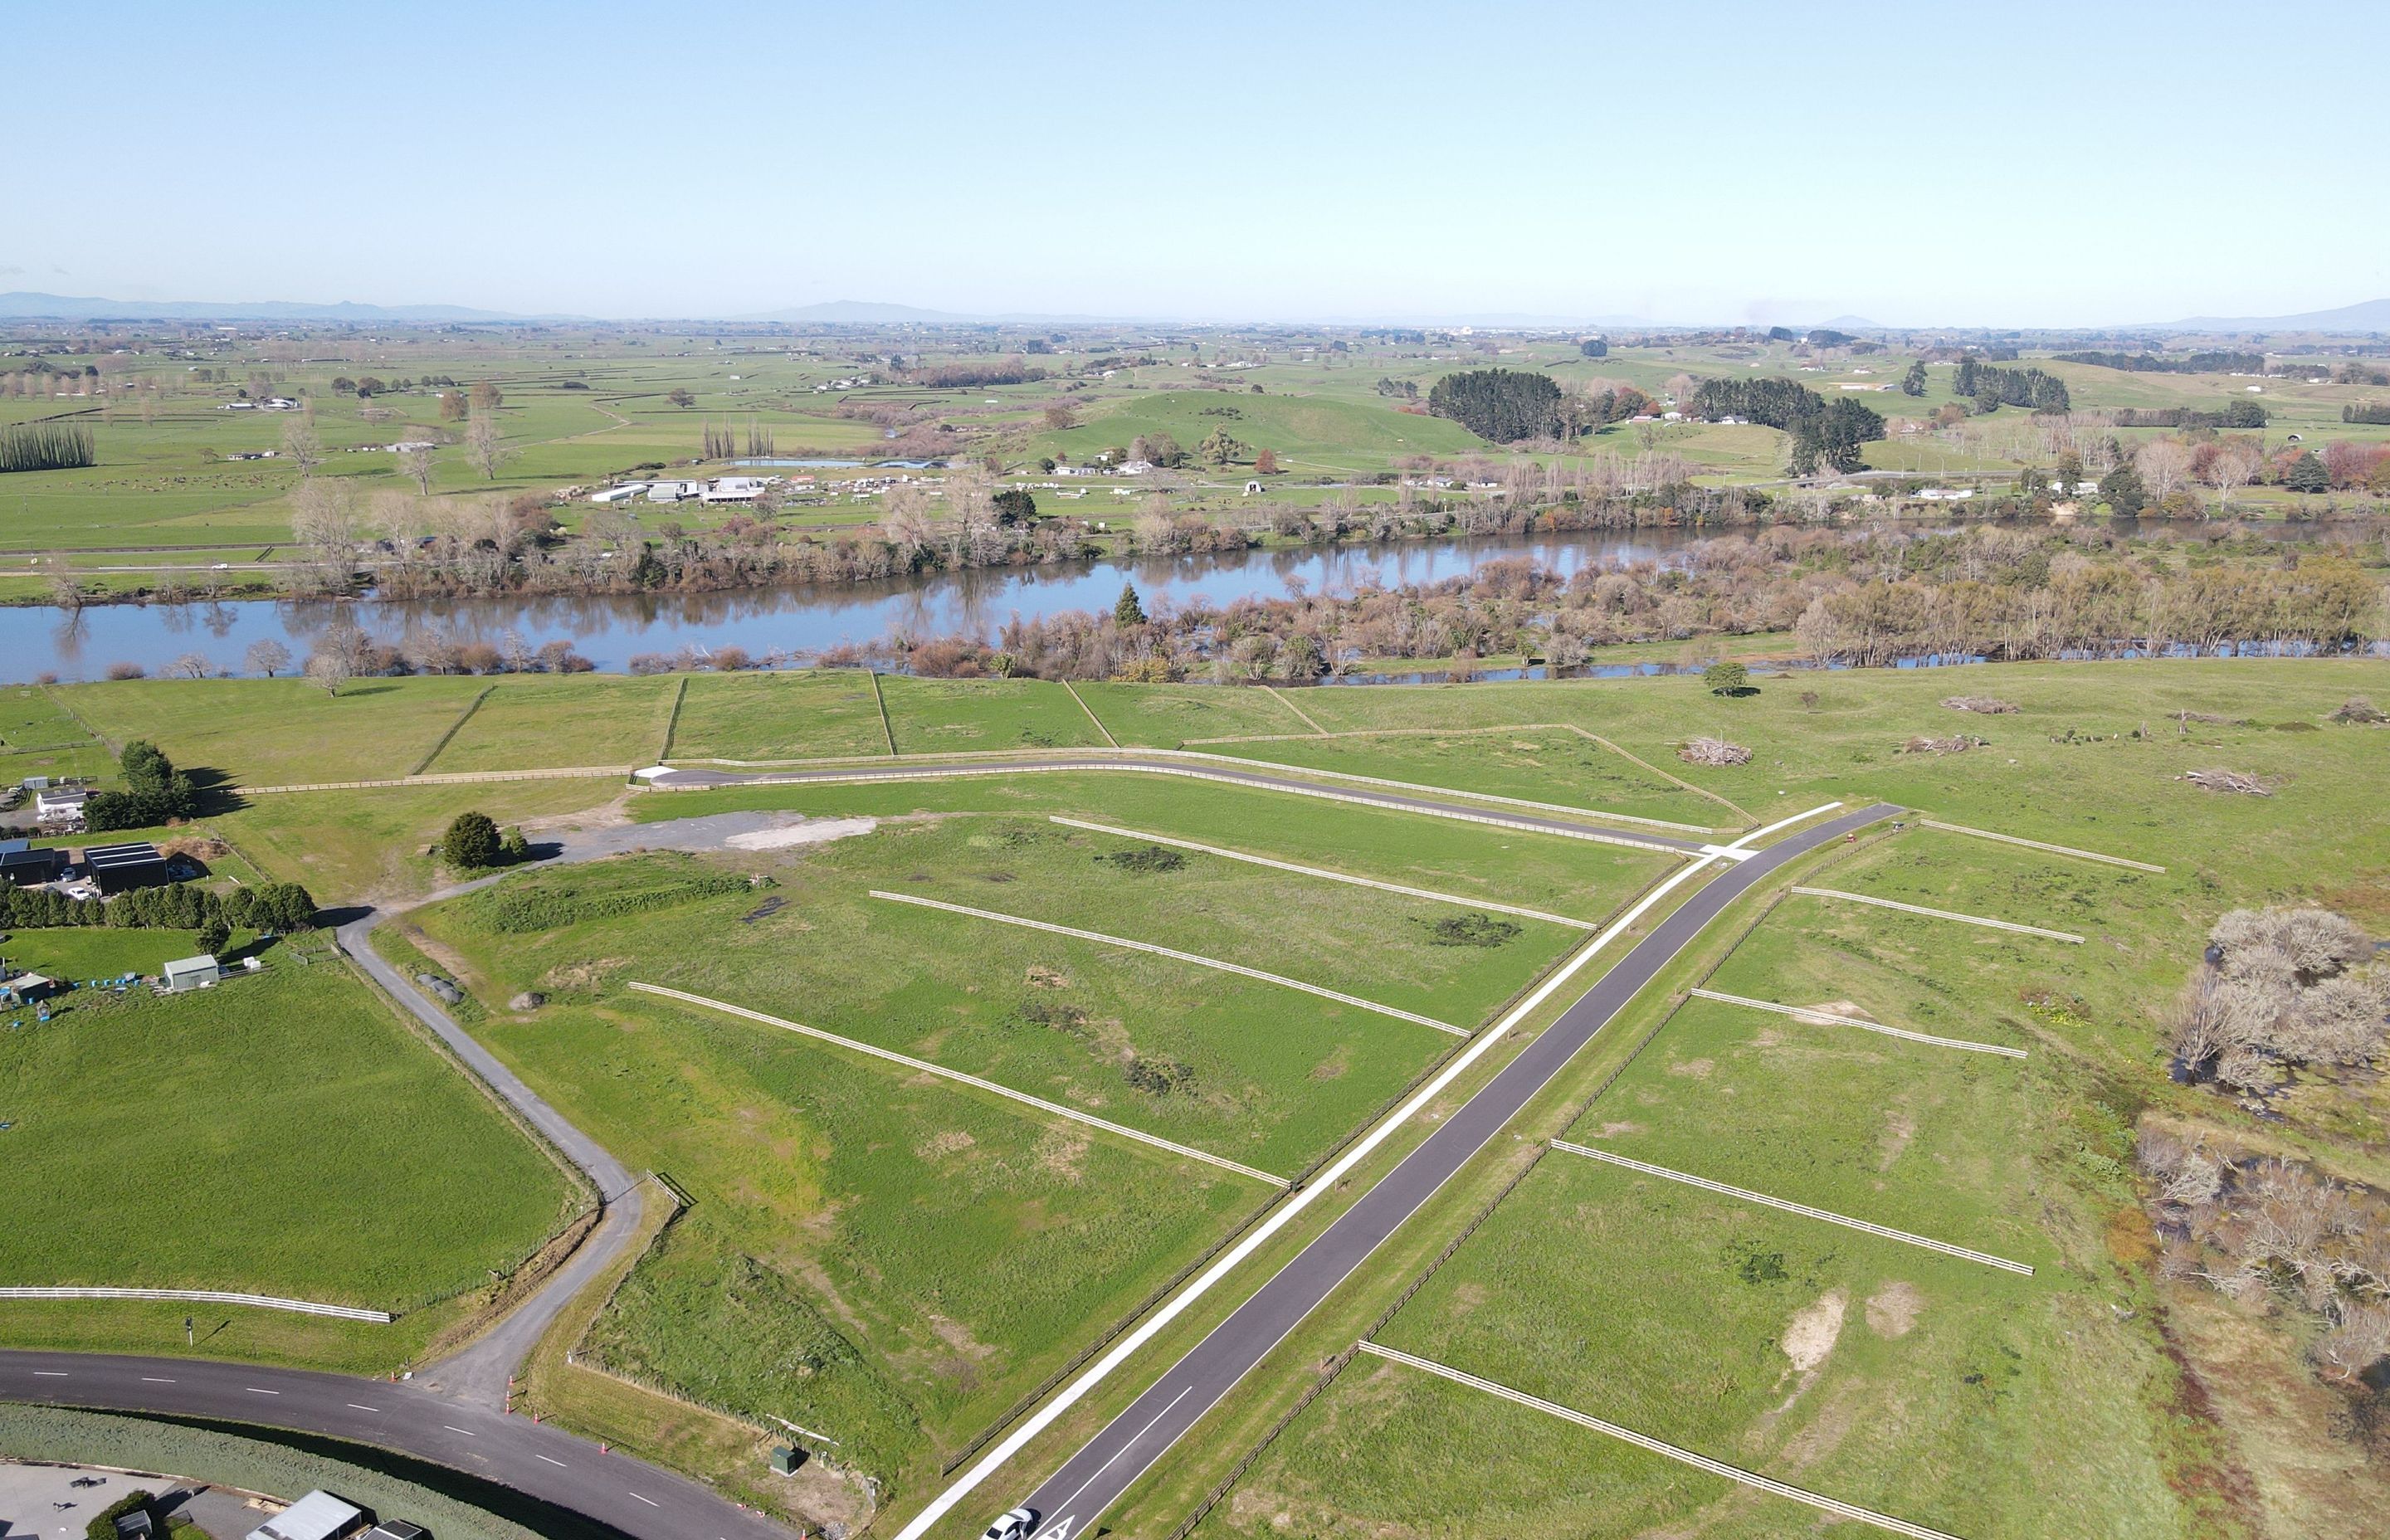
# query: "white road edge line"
{"type": "Point", "coordinates": [1667, 1451]}
{"type": "Point", "coordinates": [650, 1501]}
{"type": "Point", "coordinates": [2066, 936]}
{"type": "Point", "coordinates": [2038, 844]}
{"type": "Point", "coordinates": [1827, 1017]}
{"type": "Point", "coordinates": [52, 1374]}
{"type": "Point", "coordinates": [1325, 1182]}
{"type": "Point", "coordinates": [559, 1464]}
{"type": "Point", "coordinates": [1173, 954]}
{"type": "Point", "coordinates": [1324, 874]}
{"type": "Point", "coordinates": [466, 1431]}
{"type": "Point", "coordinates": [361, 1406]}
{"type": "Point", "coordinates": [1124, 1449]}
{"type": "Point", "coordinates": [924, 1066]}
{"type": "Point", "coordinates": [156, 1380]}
{"type": "Point", "coordinates": [1804, 1209]}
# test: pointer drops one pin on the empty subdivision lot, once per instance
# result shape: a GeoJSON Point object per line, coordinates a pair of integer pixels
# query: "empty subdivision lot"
{"type": "Point", "coordinates": [1548, 765]}
{"type": "Point", "coordinates": [1576, 878]}
{"type": "Point", "coordinates": [926, 1250]}
{"type": "Point", "coordinates": [1938, 1390]}
{"type": "Point", "coordinates": [932, 716]}
{"type": "Point", "coordinates": [813, 714]}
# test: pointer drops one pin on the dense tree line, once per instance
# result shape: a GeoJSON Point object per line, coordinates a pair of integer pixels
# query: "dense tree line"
{"type": "Point", "coordinates": [1824, 432]}
{"type": "Point", "coordinates": [2373, 412]}
{"type": "Point", "coordinates": [155, 792]}
{"type": "Point", "coordinates": [2191, 363]}
{"type": "Point", "coordinates": [46, 446]}
{"type": "Point", "coordinates": [280, 907]}
{"type": "Point", "coordinates": [1504, 405]}
{"type": "Point", "coordinates": [951, 377]}
{"type": "Point", "coordinates": [1867, 598]}
{"type": "Point", "coordinates": [1989, 387]}
{"type": "Point", "coordinates": [2237, 414]}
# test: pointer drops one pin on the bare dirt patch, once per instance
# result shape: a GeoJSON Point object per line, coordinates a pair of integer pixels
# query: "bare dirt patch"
{"type": "Point", "coordinates": [1815, 1329]}
{"type": "Point", "coordinates": [1699, 1068]}
{"type": "Point", "coordinates": [1048, 978]}
{"type": "Point", "coordinates": [1899, 1127]}
{"type": "Point", "coordinates": [1062, 1154]}
{"type": "Point", "coordinates": [1893, 1309]}
{"type": "Point", "coordinates": [1612, 1130]}
{"type": "Point", "coordinates": [954, 1141]}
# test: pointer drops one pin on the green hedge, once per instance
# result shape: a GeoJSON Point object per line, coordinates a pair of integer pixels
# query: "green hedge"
{"type": "Point", "coordinates": [529, 909]}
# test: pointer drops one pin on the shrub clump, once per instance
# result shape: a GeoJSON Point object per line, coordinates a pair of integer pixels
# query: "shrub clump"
{"type": "Point", "coordinates": [2251, 1227]}
{"type": "Point", "coordinates": [2358, 711]}
{"type": "Point", "coordinates": [1470, 930]}
{"type": "Point", "coordinates": [1146, 861]}
{"type": "Point", "coordinates": [528, 910]}
{"type": "Point", "coordinates": [1161, 1077]}
{"type": "Point", "coordinates": [2280, 987]}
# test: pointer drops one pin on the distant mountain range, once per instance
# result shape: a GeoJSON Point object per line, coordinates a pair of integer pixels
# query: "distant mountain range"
{"type": "Point", "coordinates": [2372, 315]}
{"type": "Point", "coordinates": [21, 305]}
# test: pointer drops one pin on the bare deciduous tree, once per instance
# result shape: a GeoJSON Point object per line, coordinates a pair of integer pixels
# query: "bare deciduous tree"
{"type": "Point", "coordinates": [485, 444]}
{"type": "Point", "coordinates": [416, 462]}
{"type": "Point", "coordinates": [268, 656]}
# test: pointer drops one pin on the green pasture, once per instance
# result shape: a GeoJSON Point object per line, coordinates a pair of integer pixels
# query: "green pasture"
{"type": "Point", "coordinates": [807, 713]}
{"type": "Point", "coordinates": [530, 721]}
{"type": "Point", "coordinates": [1574, 877]}
{"type": "Point", "coordinates": [1170, 716]}
{"type": "Point", "coordinates": [941, 716]}
{"type": "Point", "coordinates": [198, 1141]}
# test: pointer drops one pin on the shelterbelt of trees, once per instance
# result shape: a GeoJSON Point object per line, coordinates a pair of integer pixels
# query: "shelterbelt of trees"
{"type": "Point", "coordinates": [1859, 598]}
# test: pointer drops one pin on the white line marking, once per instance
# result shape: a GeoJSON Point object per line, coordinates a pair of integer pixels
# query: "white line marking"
{"type": "Point", "coordinates": [1324, 874]}
{"type": "Point", "coordinates": [1827, 1017]}
{"type": "Point", "coordinates": [1730, 852]}
{"type": "Point", "coordinates": [1667, 1451]}
{"type": "Point", "coordinates": [650, 1501]}
{"type": "Point", "coordinates": [1261, 1234]}
{"type": "Point", "coordinates": [1122, 1450]}
{"type": "Point", "coordinates": [256, 1391]}
{"type": "Point", "coordinates": [943, 1072]}
{"type": "Point", "coordinates": [2067, 936]}
{"type": "Point", "coordinates": [154, 1380]}
{"type": "Point", "coordinates": [1801, 1209]}
{"type": "Point", "coordinates": [559, 1464]}
{"type": "Point", "coordinates": [1177, 956]}
{"type": "Point", "coordinates": [466, 1431]}
{"type": "Point", "coordinates": [2037, 844]}
{"type": "Point", "coordinates": [361, 1406]}
{"type": "Point", "coordinates": [1784, 823]}
{"type": "Point", "coordinates": [51, 1374]}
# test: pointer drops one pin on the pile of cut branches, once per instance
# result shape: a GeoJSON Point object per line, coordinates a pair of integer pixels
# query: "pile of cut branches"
{"type": "Point", "coordinates": [2232, 781]}
{"type": "Point", "coordinates": [1958, 745]}
{"type": "Point", "coordinates": [1986, 704]}
{"type": "Point", "coordinates": [1714, 751]}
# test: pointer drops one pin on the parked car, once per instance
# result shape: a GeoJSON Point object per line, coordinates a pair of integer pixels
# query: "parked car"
{"type": "Point", "coordinates": [1014, 1525]}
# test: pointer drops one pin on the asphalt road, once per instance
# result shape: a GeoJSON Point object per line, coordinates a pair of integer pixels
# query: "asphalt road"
{"type": "Point", "coordinates": [631, 1495]}
{"type": "Point", "coordinates": [1208, 771]}
{"type": "Point", "coordinates": [1069, 1501]}
{"type": "Point", "coordinates": [480, 1372]}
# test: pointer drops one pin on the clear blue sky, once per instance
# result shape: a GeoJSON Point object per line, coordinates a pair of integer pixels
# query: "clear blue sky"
{"type": "Point", "coordinates": [2003, 164]}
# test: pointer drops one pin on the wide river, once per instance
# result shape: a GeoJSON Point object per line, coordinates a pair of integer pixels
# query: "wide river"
{"type": "Point", "coordinates": [609, 630]}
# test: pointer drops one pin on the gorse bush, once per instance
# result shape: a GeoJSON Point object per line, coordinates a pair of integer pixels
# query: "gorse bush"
{"type": "Point", "coordinates": [1470, 930]}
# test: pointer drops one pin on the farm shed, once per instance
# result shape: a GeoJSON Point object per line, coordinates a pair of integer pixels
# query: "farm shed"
{"type": "Point", "coordinates": [318, 1516]}
{"type": "Point", "coordinates": [185, 973]}
{"type": "Point", "coordinates": [24, 866]}
{"type": "Point", "coordinates": [622, 494]}
{"type": "Point", "coordinates": [116, 868]}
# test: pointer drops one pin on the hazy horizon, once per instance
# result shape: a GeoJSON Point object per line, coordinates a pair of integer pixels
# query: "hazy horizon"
{"type": "Point", "coordinates": [2036, 167]}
